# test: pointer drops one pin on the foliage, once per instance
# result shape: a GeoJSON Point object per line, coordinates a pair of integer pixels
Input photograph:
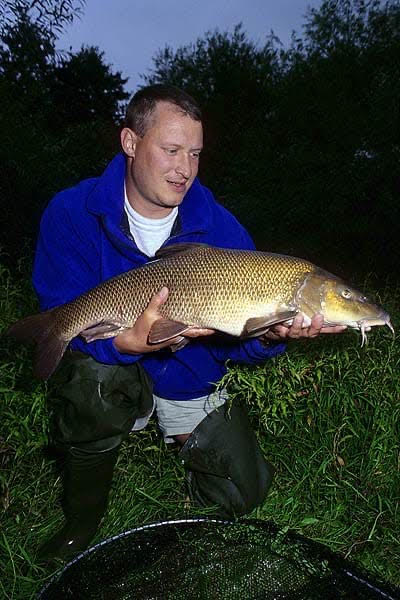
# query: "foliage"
{"type": "Point", "coordinates": [49, 15]}
{"type": "Point", "coordinates": [216, 64]}
{"type": "Point", "coordinates": [345, 75]}
{"type": "Point", "coordinates": [86, 90]}
{"type": "Point", "coordinates": [58, 122]}
{"type": "Point", "coordinates": [359, 24]}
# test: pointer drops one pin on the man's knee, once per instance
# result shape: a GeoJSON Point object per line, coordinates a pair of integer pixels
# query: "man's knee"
{"type": "Point", "coordinates": [230, 498]}
{"type": "Point", "coordinates": [94, 406]}
{"type": "Point", "coordinates": [225, 464]}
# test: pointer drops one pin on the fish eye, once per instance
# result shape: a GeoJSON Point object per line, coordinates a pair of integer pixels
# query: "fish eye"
{"type": "Point", "coordinates": [346, 294]}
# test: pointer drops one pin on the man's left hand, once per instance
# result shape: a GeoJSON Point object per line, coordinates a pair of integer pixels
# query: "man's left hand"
{"type": "Point", "coordinates": [297, 331]}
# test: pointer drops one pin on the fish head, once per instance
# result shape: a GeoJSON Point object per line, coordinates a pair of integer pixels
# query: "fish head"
{"type": "Point", "coordinates": [339, 303]}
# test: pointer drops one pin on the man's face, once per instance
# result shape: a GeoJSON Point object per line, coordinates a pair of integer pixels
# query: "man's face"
{"type": "Point", "coordinates": [162, 165]}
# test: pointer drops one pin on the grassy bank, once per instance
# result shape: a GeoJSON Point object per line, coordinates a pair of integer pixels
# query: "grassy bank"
{"type": "Point", "coordinates": [326, 413]}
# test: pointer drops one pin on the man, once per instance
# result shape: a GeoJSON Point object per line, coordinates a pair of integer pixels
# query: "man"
{"type": "Point", "coordinates": [147, 197]}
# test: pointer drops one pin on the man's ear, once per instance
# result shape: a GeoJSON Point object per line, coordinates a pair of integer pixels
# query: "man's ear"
{"type": "Point", "coordinates": [128, 141]}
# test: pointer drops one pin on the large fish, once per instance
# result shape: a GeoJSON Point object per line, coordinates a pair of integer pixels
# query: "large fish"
{"type": "Point", "coordinates": [239, 292]}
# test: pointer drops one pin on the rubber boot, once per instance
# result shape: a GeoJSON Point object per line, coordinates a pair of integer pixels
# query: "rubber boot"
{"type": "Point", "coordinates": [225, 465]}
{"type": "Point", "coordinates": [87, 482]}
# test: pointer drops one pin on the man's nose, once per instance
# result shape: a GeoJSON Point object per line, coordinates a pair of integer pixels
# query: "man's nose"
{"type": "Point", "coordinates": [184, 167]}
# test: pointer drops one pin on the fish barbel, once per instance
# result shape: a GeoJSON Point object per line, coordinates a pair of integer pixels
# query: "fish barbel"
{"type": "Point", "coordinates": [238, 292]}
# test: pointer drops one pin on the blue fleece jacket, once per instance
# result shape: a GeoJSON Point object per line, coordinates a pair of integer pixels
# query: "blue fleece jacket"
{"type": "Point", "coordinates": [82, 242]}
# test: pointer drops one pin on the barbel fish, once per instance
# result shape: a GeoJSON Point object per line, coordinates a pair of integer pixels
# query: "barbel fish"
{"type": "Point", "coordinates": [237, 292]}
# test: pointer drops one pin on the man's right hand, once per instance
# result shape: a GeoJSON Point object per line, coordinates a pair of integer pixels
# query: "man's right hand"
{"type": "Point", "coordinates": [135, 339]}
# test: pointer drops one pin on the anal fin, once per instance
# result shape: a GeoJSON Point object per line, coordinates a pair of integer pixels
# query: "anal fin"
{"type": "Point", "coordinates": [103, 330]}
{"type": "Point", "coordinates": [181, 343]}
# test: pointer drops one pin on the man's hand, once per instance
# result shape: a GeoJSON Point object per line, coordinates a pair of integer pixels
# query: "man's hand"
{"type": "Point", "coordinates": [135, 339]}
{"type": "Point", "coordinates": [296, 331]}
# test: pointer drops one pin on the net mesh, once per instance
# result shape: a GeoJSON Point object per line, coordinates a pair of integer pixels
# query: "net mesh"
{"type": "Point", "coordinates": [208, 559]}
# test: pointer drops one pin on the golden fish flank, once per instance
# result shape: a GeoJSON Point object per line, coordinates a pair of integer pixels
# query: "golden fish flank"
{"type": "Point", "coordinates": [238, 292]}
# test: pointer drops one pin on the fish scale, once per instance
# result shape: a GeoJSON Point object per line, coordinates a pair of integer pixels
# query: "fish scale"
{"type": "Point", "coordinates": [208, 287]}
{"type": "Point", "coordinates": [239, 292]}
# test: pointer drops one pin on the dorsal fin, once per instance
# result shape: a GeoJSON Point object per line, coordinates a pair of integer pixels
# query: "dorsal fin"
{"type": "Point", "coordinates": [176, 249]}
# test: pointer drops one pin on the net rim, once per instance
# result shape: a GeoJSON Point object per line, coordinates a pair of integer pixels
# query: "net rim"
{"type": "Point", "coordinates": [118, 536]}
{"type": "Point", "coordinates": [347, 566]}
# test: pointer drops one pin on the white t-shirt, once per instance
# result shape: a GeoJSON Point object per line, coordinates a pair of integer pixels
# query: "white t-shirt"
{"type": "Point", "coordinates": [149, 234]}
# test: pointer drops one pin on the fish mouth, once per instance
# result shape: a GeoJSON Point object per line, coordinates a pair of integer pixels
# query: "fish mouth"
{"type": "Point", "coordinates": [365, 325]}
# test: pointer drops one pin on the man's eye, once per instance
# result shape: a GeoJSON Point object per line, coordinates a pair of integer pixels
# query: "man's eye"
{"type": "Point", "coordinates": [195, 154]}
{"type": "Point", "coordinates": [170, 150]}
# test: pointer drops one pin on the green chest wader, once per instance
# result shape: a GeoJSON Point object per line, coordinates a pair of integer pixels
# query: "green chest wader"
{"type": "Point", "coordinates": [93, 408]}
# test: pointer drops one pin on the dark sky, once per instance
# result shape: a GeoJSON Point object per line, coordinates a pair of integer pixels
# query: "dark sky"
{"type": "Point", "coordinates": [131, 31]}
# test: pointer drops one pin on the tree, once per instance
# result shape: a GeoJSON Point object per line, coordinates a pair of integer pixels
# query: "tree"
{"type": "Point", "coordinates": [27, 59]}
{"type": "Point", "coordinates": [58, 118]}
{"type": "Point", "coordinates": [51, 16]}
{"type": "Point", "coordinates": [219, 62]}
{"type": "Point", "coordinates": [359, 24]}
{"type": "Point", "coordinates": [85, 88]}
{"type": "Point", "coordinates": [343, 90]}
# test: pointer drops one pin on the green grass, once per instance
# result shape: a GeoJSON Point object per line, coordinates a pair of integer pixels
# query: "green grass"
{"type": "Point", "coordinates": [326, 413]}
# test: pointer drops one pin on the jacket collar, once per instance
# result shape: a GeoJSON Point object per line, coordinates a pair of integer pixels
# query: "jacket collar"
{"type": "Point", "coordinates": [107, 199]}
{"type": "Point", "coordinates": [107, 196]}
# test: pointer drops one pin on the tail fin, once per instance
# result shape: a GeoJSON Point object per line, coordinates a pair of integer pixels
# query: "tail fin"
{"type": "Point", "coordinates": [41, 329]}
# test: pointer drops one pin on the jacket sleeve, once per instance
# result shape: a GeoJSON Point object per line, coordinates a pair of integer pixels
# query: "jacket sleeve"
{"type": "Point", "coordinates": [67, 265]}
{"type": "Point", "coordinates": [247, 351]}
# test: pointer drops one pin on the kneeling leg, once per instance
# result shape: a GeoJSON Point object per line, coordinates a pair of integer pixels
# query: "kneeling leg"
{"type": "Point", "coordinates": [225, 464]}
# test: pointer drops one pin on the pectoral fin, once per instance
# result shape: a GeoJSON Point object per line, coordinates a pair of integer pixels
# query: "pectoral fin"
{"type": "Point", "coordinates": [259, 325]}
{"type": "Point", "coordinates": [163, 330]}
